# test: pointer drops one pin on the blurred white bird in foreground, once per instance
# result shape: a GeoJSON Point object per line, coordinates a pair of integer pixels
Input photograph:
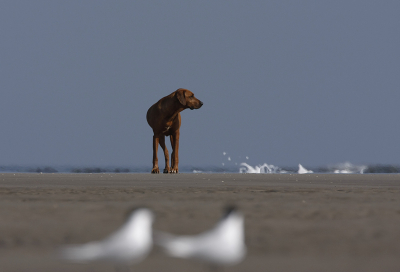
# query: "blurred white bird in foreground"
{"type": "Point", "coordinates": [130, 244]}
{"type": "Point", "coordinates": [222, 245]}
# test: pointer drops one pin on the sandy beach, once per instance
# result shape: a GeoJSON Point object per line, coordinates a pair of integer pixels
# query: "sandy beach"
{"type": "Point", "coordinates": [311, 222]}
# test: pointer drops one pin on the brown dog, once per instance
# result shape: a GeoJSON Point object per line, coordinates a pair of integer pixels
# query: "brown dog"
{"type": "Point", "coordinates": [165, 119]}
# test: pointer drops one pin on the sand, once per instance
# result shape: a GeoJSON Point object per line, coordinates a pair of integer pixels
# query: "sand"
{"type": "Point", "coordinates": [311, 222]}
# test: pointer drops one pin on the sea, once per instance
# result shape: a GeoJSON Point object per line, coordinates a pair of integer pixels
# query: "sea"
{"type": "Point", "coordinates": [241, 167]}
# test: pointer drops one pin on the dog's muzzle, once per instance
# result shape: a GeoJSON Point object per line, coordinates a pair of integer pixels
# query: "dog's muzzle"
{"type": "Point", "coordinates": [200, 104]}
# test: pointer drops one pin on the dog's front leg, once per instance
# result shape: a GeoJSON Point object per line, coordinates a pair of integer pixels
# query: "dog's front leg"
{"type": "Point", "coordinates": [175, 152]}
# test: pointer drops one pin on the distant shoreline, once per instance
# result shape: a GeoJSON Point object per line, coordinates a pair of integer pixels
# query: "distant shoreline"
{"type": "Point", "coordinates": [198, 179]}
{"type": "Point", "coordinates": [262, 168]}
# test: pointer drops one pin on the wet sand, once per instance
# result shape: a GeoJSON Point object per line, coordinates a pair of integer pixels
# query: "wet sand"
{"type": "Point", "coordinates": [316, 222]}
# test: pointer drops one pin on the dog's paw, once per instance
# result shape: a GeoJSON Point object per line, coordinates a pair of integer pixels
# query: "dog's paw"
{"type": "Point", "coordinates": [174, 171]}
{"type": "Point", "coordinates": [155, 170]}
{"type": "Point", "coordinates": [167, 170]}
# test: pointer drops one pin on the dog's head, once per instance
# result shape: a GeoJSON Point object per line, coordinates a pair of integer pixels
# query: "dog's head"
{"type": "Point", "coordinates": [187, 99]}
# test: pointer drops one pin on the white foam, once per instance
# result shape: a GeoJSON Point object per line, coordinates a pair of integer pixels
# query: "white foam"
{"type": "Point", "coordinates": [348, 168]}
{"type": "Point", "coordinates": [303, 170]}
{"type": "Point", "coordinates": [260, 169]}
{"type": "Point", "coordinates": [341, 168]}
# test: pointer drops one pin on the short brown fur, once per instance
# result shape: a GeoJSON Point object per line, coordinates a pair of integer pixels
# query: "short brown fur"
{"type": "Point", "coordinates": [165, 119]}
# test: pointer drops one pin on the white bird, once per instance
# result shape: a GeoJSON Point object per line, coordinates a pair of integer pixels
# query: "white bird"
{"type": "Point", "coordinates": [222, 245]}
{"type": "Point", "coordinates": [130, 244]}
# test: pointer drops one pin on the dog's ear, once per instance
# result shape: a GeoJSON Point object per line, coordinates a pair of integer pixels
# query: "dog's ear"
{"type": "Point", "coordinates": [180, 94]}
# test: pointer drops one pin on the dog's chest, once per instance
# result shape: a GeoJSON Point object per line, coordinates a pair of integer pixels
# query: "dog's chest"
{"type": "Point", "coordinates": [167, 128]}
{"type": "Point", "coordinates": [169, 125]}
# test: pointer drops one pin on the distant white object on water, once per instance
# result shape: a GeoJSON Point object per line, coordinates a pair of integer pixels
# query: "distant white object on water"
{"type": "Point", "coordinates": [229, 158]}
{"type": "Point", "coordinates": [222, 245]}
{"type": "Point", "coordinates": [260, 169]}
{"type": "Point", "coordinates": [302, 170]}
{"type": "Point", "coordinates": [224, 153]}
{"type": "Point", "coordinates": [348, 168]}
{"type": "Point", "coordinates": [130, 244]}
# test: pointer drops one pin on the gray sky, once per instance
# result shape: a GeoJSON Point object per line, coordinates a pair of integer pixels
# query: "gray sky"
{"type": "Point", "coordinates": [283, 82]}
